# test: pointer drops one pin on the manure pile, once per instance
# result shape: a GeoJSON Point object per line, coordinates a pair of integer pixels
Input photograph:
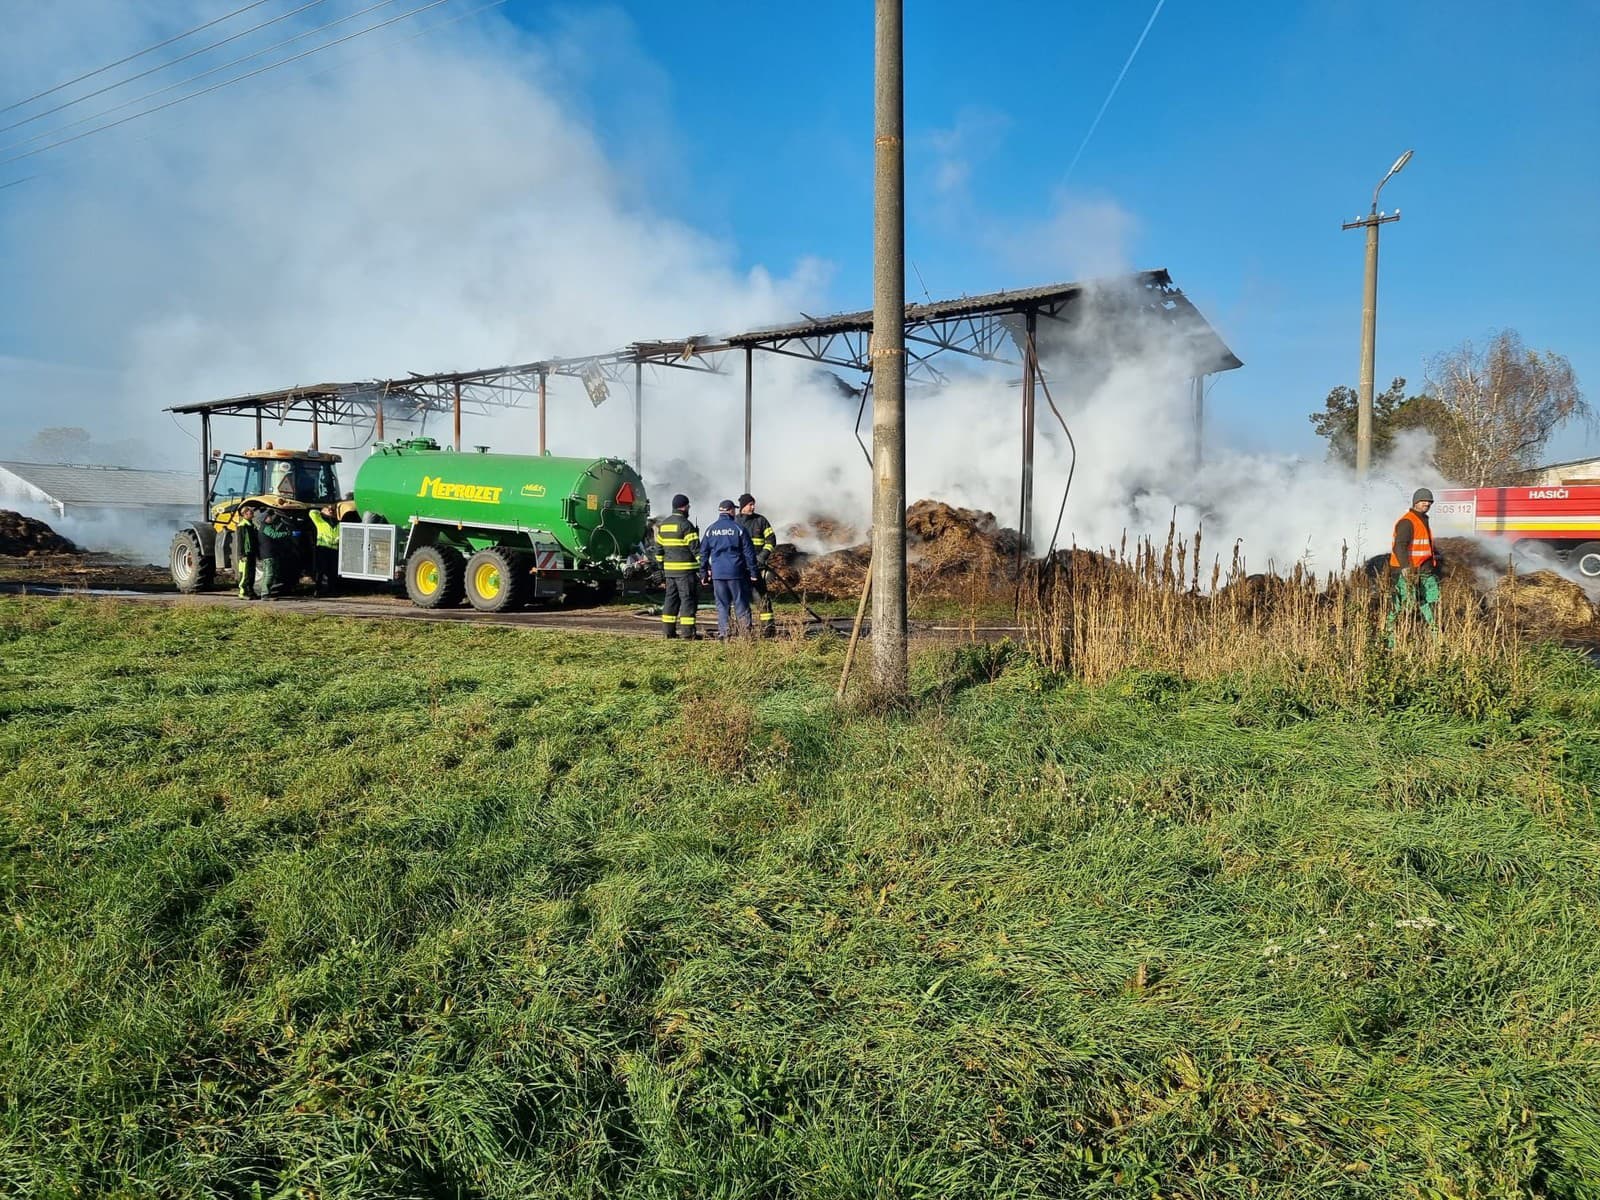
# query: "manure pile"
{"type": "Point", "coordinates": [24, 537]}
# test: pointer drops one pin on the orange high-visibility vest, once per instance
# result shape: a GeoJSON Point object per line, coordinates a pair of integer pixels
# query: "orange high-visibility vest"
{"type": "Point", "coordinates": [1421, 542]}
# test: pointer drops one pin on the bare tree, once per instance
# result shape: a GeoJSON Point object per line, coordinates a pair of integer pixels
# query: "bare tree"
{"type": "Point", "coordinates": [1497, 407]}
{"type": "Point", "coordinates": [61, 444]}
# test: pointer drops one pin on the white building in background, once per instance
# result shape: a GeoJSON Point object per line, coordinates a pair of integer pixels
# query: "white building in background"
{"type": "Point", "coordinates": [1579, 470]}
{"type": "Point", "coordinates": [118, 509]}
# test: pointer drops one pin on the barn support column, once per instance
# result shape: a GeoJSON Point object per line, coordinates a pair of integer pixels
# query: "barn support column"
{"type": "Point", "coordinates": [205, 463]}
{"type": "Point", "coordinates": [747, 396]}
{"type": "Point", "coordinates": [1030, 369]}
{"type": "Point", "coordinates": [258, 429]}
{"type": "Point", "coordinates": [458, 414]}
{"type": "Point", "coordinates": [1197, 388]}
{"type": "Point", "coordinates": [638, 418]}
{"type": "Point", "coordinates": [543, 445]}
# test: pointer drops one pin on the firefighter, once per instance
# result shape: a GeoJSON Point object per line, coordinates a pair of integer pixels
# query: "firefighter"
{"type": "Point", "coordinates": [1415, 562]}
{"type": "Point", "coordinates": [247, 550]}
{"type": "Point", "coordinates": [325, 567]}
{"type": "Point", "coordinates": [678, 556]}
{"type": "Point", "coordinates": [764, 541]}
{"type": "Point", "coordinates": [728, 563]}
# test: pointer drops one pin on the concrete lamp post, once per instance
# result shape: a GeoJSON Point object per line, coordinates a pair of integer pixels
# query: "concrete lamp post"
{"type": "Point", "coordinates": [1369, 316]}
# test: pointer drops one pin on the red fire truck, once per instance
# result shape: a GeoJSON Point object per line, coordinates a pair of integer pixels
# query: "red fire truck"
{"type": "Point", "coordinates": [1550, 524]}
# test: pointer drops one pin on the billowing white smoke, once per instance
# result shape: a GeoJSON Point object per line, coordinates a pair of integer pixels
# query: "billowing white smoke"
{"type": "Point", "coordinates": [130, 535]}
{"type": "Point", "coordinates": [1123, 389]}
{"type": "Point", "coordinates": [430, 204]}
{"type": "Point", "coordinates": [444, 203]}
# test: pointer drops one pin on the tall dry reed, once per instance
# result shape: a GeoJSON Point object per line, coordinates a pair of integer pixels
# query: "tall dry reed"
{"type": "Point", "coordinates": [1095, 616]}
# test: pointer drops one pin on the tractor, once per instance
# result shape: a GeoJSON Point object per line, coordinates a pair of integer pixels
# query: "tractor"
{"type": "Point", "coordinates": [291, 481]}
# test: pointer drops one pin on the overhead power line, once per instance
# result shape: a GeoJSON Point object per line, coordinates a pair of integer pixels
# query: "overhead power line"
{"type": "Point", "coordinates": [110, 87]}
{"type": "Point", "coordinates": [171, 87]}
{"type": "Point", "coordinates": [321, 74]}
{"type": "Point", "coordinates": [1111, 95]}
{"type": "Point", "coordinates": [147, 50]}
{"type": "Point", "coordinates": [225, 83]}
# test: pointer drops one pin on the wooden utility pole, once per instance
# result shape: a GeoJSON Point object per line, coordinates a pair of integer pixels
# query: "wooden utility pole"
{"type": "Point", "coordinates": [888, 575]}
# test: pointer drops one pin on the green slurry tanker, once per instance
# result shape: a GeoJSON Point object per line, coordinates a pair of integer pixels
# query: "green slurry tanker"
{"type": "Point", "coordinates": [498, 529]}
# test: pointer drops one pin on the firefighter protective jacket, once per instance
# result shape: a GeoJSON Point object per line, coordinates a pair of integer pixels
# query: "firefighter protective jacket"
{"type": "Point", "coordinates": [726, 552]}
{"type": "Point", "coordinates": [1413, 543]}
{"type": "Point", "coordinates": [677, 543]}
{"type": "Point", "coordinates": [327, 531]}
{"type": "Point", "coordinates": [761, 535]}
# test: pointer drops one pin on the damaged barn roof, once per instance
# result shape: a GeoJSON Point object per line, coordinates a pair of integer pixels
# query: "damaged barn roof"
{"type": "Point", "coordinates": [988, 326]}
{"type": "Point", "coordinates": [1147, 294]}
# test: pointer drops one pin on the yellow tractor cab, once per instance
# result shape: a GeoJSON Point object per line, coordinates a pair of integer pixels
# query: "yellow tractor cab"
{"type": "Point", "coordinates": [292, 482]}
{"type": "Point", "coordinates": [287, 480]}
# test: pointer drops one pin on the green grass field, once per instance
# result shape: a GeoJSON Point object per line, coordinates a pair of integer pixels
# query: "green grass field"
{"type": "Point", "coordinates": [306, 907]}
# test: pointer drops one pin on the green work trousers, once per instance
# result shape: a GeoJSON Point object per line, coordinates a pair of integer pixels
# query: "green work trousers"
{"type": "Point", "coordinates": [1421, 593]}
{"type": "Point", "coordinates": [245, 561]}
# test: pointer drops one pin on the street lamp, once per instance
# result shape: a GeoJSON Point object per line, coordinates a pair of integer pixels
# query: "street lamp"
{"type": "Point", "coordinates": [1369, 316]}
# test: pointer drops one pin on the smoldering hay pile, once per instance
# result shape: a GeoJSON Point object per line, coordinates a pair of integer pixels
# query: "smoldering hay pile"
{"type": "Point", "coordinates": [951, 552]}
{"type": "Point", "coordinates": [24, 537]}
{"type": "Point", "coordinates": [1548, 605]}
{"type": "Point", "coordinates": [966, 554]}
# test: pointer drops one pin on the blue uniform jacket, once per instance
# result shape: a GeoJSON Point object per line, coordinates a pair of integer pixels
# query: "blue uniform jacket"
{"type": "Point", "coordinates": [726, 550]}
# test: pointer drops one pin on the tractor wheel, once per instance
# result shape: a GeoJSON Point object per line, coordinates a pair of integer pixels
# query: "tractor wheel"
{"type": "Point", "coordinates": [496, 580]}
{"type": "Point", "coordinates": [193, 570]}
{"type": "Point", "coordinates": [434, 577]}
{"type": "Point", "coordinates": [1585, 559]}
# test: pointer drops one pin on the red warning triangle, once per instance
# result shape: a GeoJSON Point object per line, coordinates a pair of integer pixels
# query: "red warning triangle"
{"type": "Point", "coordinates": [625, 494]}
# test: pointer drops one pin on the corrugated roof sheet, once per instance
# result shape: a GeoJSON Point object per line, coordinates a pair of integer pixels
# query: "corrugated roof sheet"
{"type": "Point", "coordinates": [108, 487]}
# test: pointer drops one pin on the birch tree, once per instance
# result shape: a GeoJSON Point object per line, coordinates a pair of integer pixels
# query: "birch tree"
{"type": "Point", "coordinates": [1497, 406]}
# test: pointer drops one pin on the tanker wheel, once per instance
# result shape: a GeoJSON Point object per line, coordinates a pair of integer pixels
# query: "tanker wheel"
{"type": "Point", "coordinates": [434, 577]}
{"type": "Point", "coordinates": [1585, 559]}
{"type": "Point", "coordinates": [495, 580]}
{"type": "Point", "coordinates": [193, 570]}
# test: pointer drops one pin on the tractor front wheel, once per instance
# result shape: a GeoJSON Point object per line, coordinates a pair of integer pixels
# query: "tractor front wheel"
{"type": "Point", "coordinates": [193, 570]}
{"type": "Point", "coordinates": [495, 580]}
{"type": "Point", "coordinates": [434, 577]}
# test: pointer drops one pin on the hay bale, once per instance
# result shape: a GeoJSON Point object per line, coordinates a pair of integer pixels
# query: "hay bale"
{"type": "Point", "coordinates": [823, 532]}
{"type": "Point", "coordinates": [1257, 592]}
{"type": "Point", "coordinates": [1544, 603]}
{"type": "Point", "coordinates": [838, 575]}
{"type": "Point", "coordinates": [1470, 562]}
{"type": "Point", "coordinates": [1083, 565]}
{"type": "Point", "coordinates": [949, 544]}
{"type": "Point", "coordinates": [24, 537]}
{"type": "Point", "coordinates": [948, 550]}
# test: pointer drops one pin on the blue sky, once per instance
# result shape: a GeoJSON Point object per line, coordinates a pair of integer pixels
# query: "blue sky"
{"type": "Point", "coordinates": [1241, 138]}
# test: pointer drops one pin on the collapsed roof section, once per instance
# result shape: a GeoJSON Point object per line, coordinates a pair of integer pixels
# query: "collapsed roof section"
{"type": "Point", "coordinates": [1067, 317]}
